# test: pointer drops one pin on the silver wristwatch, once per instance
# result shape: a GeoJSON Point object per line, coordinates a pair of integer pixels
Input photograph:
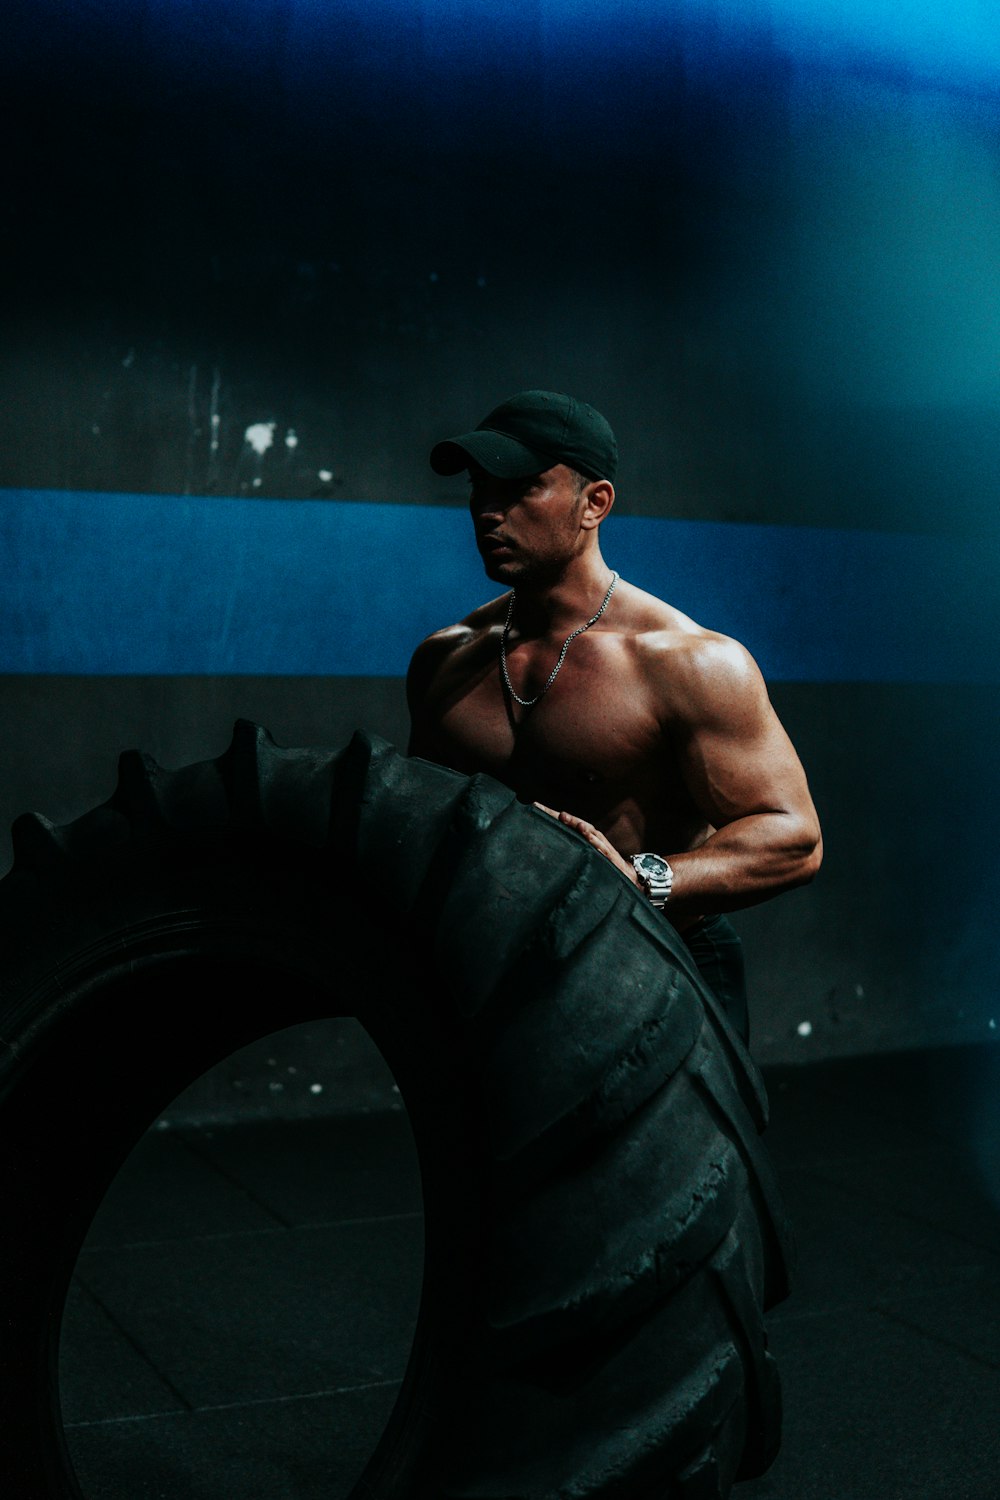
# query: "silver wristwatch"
{"type": "Point", "coordinates": [655, 876]}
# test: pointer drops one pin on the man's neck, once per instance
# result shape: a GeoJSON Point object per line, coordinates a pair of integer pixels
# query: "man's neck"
{"type": "Point", "coordinates": [558, 607]}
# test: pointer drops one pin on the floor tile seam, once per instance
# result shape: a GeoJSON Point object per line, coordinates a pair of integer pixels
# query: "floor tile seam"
{"type": "Point", "coordinates": [135, 1346]}
{"type": "Point", "coordinates": [206, 1159]}
{"type": "Point", "coordinates": [250, 1402]}
{"type": "Point", "coordinates": [906, 1215]}
{"type": "Point", "coordinates": [940, 1139]}
{"type": "Point", "coordinates": [782, 1318]}
{"type": "Point", "coordinates": [933, 1124]}
{"type": "Point", "coordinates": [249, 1234]}
{"type": "Point", "coordinates": [899, 1060]}
{"type": "Point", "coordinates": [863, 1308]}
{"type": "Point", "coordinates": [812, 1160]}
{"type": "Point", "coordinates": [972, 1281]}
{"type": "Point", "coordinates": [881, 1115]}
{"type": "Point", "coordinates": [936, 1338]}
{"type": "Point", "coordinates": [362, 1122]}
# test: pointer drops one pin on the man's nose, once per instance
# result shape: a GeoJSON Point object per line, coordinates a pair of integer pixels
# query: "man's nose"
{"type": "Point", "coordinates": [486, 501]}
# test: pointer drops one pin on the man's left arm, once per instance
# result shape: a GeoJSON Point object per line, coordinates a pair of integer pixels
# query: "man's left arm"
{"type": "Point", "coordinates": [743, 774]}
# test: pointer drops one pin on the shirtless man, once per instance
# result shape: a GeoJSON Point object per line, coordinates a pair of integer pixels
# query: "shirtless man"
{"type": "Point", "coordinates": [653, 736]}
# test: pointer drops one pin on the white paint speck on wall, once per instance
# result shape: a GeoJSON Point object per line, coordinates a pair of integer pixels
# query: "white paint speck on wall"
{"type": "Point", "coordinates": [260, 436]}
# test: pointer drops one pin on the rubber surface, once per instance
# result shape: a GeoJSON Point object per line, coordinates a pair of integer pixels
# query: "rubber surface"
{"type": "Point", "coordinates": [603, 1231]}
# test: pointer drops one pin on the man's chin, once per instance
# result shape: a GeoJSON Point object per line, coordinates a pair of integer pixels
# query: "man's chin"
{"type": "Point", "coordinates": [502, 569]}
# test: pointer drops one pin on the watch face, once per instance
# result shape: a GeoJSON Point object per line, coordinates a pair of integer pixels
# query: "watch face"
{"type": "Point", "coordinates": [652, 866]}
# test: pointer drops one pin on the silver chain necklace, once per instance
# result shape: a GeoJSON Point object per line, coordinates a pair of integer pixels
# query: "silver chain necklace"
{"type": "Point", "coordinates": [527, 702]}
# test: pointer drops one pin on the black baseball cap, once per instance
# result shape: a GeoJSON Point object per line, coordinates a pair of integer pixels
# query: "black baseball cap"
{"type": "Point", "coordinates": [529, 433]}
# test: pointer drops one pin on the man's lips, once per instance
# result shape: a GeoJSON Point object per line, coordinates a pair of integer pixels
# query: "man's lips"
{"type": "Point", "coordinates": [494, 544]}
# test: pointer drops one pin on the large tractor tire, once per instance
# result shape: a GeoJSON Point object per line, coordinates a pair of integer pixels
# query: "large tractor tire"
{"type": "Point", "coordinates": [603, 1232]}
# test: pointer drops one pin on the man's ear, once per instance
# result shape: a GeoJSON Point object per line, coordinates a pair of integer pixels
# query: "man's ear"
{"type": "Point", "coordinates": [598, 498]}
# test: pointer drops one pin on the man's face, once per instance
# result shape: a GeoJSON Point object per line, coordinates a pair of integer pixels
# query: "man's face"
{"type": "Point", "coordinates": [526, 528]}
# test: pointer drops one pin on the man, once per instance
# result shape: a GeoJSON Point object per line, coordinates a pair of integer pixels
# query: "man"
{"type": "Point", "coordinates": [651, 736]}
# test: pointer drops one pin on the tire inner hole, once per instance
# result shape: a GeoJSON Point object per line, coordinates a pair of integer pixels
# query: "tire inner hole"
{"type": "Point", "coordinates": [242, 1310]}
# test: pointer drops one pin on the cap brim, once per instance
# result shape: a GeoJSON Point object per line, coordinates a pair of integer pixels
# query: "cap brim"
{"type": "Point", "coordinates": [495, 452]}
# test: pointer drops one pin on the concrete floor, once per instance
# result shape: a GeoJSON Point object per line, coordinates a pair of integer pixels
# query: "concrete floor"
{"type": "Point", "coordinates": [244, 1305]}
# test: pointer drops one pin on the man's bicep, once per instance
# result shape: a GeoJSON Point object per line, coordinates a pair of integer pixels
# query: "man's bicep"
{"type": "Point", "coordinates": [418, 680]}
{"type": "Point", "coordinates": [423, 690]}
{"type": "Point", "coordinates": [734, 754]}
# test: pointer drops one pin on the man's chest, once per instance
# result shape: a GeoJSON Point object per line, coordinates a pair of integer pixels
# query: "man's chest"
{"type": "Point", "coordinates": [593, 733]}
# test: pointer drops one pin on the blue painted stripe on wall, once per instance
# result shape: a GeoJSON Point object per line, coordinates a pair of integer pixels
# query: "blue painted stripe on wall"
{"type": "Point", "coordinates": [153, 584]}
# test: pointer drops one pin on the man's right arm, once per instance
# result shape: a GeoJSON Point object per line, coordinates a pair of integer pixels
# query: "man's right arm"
{"type": "Point", "coordinates": [425, 664]}
{"type": "Point", "coordinates": [418, 678]}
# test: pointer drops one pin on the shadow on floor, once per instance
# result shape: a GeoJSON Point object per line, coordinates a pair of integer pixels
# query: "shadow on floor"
{"type": "Point", "coordinates": [244, 1305]}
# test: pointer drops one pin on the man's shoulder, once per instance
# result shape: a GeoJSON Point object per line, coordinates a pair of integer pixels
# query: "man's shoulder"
{"type": "Point", "coordinates": [689, 658]}
{"type": "Point", "coordinates": [436, 648]}
{"type": "Point", "coordinates": [658, 628]}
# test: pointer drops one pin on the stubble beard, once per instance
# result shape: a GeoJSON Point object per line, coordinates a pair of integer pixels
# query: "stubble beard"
{"type": "Point", "coordinates": [525, 573]}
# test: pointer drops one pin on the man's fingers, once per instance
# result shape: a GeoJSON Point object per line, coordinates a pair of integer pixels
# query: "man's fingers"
{"type": "Point", "coordinates": [595, 838]}
{"type": "Point", "coordinates": [570, 819]}
{"type": "Point", "coordinates": [585, 830]}
{"type": "Point", "coordinates": [579, 825]}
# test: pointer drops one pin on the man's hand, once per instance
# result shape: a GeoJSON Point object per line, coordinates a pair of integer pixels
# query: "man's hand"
{"type": "Point", "coordinates": [595, 838]}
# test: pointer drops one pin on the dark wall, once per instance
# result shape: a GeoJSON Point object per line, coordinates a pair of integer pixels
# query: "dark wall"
{"type": "Point", "coordinates": [275, 249]}
{"type": "Point", "coordinates": [772, 263]}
